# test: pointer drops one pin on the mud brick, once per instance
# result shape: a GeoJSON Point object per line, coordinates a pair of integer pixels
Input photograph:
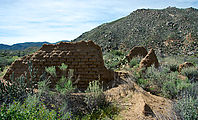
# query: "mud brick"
{"type": "Point", "coordinates": [91, 73]}
{"type": "Point", "coordinates": [92, 53]}
{"type": "Point", "coordinates": [77, 59]}
{"type": "Point", "coordinates": [84, 66]}
{"type": "Point", "coordinates": [63, 60]}
{"type": "Point", "coordinates": [65, 57]}
{"type": "Point", "coordinates": [75, 63]}
{"type": "Point", "coordinates": [82, 63]}
{"type": "Point", "coordinates": [84, 59]}
{"type": "Point", "coordinates": [92, 66]}
{"type": "Point", "coordinates": [56, 59]}
{"type": "Point", "coordinates": [80, 70]}
{"type": "Point", "coordinates": [94, 69]}
{"type": "Point", "coordinates": [92, 59]}
{"type": "Point", "coordinates": [70, 59]}
{"type": "Point", "coordinates": [76, 54]}
{"type": "Point", "coordinates": [83, 53]}
{"type": "Point", "coordinates": [80, 57]}
{"type": "Point", "coordinates": [88, 56]}
{"type": "Point", "coordinates": [89, 63]}
{"type": "Point", "coordinates": [83, 72]}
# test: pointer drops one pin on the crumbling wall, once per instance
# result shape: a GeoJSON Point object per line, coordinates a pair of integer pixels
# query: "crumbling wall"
{"type": "Point", "coordinates": [185, 65]}
{"type": "Point", "coordinates": [136, 51]}
{"type": "Point", "coordinates": [85, 58]}
{"type": "Point", "coordinates": [149, 59]}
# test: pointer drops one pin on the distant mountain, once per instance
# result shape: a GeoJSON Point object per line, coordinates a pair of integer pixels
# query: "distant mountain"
{"type": "Point", "coordinates": [22, 46]}
{"type": "Point", "coordinates": [64, 41]}
{"type": "Point", "coordinates": [4, 47]}
{"type": "Point", "coordinates": [170, 30]}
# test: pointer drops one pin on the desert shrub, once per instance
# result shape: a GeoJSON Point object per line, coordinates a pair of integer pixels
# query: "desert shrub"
{"type": "Point", "coordinates": [19, 88]}
{"type": "Point", "coordinates": [64, 88]}
{"type": "Point", "coordinates": [103, 113]}
{"type": "Point", "coordinates": [4, 71]}
{"type": "Point", "coordinates": [161, 82]}
{"type": "Point", "coordinates": [174, 85]}
{"type": "Point", "coordinates": [31, 109]}
{"type": "Point", "coordinates": [187, 104]}
{"type": "Point", "coordinates": [191, 73]}
{"type": "Point", "coordinates": [114, 59]}
{"type": "Point", "coordinates": [94, 95]}
{"type": "Point", "coordinates": [174, 60]}
{"type": "Point", "coordinates": [64, 85]}
{"type": "Point", "coordinates": [51, 70]}
{"type": "Point", "coordinates": [135, 61]}
{"type": "Point", "coordinates": [98, 107]}
{"type": "Point", "coordinates": [173, 67]}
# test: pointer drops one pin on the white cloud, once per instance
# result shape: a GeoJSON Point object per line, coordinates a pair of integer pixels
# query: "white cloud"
{"type": "Point", "coordinates": [54, 20]}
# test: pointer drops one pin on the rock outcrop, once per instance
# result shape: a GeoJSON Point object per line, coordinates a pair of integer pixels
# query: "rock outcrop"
{"type": "Point", "coordinates": [136, 51]}
{"type": "Point", "coordinates": [85, 58]}
{"type": "Point", "coordinates": [148, 60]}
{"type": "Point", "coordinates": [185, 65]}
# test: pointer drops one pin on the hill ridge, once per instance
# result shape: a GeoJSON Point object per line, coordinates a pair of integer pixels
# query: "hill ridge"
{"type": "Point", "coordinates": [150, 28]}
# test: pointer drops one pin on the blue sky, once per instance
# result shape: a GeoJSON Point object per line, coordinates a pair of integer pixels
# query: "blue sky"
{"type": "Point", "coordinates": [55, 20]}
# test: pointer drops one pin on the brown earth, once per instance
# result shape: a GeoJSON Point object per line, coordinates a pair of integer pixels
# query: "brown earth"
{"type": "Point", "coordinates": [137, 104]}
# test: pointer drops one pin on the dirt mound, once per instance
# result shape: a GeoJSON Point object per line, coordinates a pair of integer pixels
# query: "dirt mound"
{"type": "Point", "coordinates": [136, 51]}
{"type": "Point", "coordinates": [185, 65]}
{"type": "Point", "coordinates": [137, 104]}
{"type": "Point", "coordinates": [148, 60]}
{"type": "Point", "coordinates": [85, 58]}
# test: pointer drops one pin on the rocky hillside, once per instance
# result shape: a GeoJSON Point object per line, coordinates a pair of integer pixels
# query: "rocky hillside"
{"type": "Point", "coordinates": [170, 30]}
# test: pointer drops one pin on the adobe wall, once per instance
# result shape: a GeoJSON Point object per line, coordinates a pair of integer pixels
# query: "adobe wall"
{"type": "Point", "coordinates": [85, 58]}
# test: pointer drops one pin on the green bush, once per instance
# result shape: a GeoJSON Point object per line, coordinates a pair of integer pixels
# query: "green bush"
{"type": "Point", "coordinates": [97, 106]}
{"type": "Point", "coordinates": [162, 82]}
{"type": "Point", "coordinates": [31, 109]}
{"type": "Point", "coordinates": [135, 61]}
{"type": "Point", "coordinates": [174, 85]}
{"type": "Point", "coordinates": [191, 73]}
{"type": "Point", "coordinates": [64, 85]}
{"type": "Point", "coordinates": [114, 59]}
{"type": "Point", "coordinates": [17, 89]}
{"type": "Point", "coordinates": [103, 113]}
{"type": "Point", "coordinates": [187, 105]}
{"type": "Point", "coordinates": [51, 70]}
{"type": "Point", "coordinates": [4, 71]}
{"type": "Point", "coordinates": [94, 95]}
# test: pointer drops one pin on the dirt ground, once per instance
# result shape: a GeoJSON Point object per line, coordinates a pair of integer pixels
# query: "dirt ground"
{"type": "Point", "coordinates": [137, 104]}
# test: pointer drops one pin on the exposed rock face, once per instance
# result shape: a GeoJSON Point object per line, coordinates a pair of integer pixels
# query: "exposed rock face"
{"type": "Point", "coordinates": [136, 51]}
{"type": "Point", "coordinates": [185, 65]}
{"type": "Point", "coordinates": [85, 58]}
{"type": "Point", "coordinates": [149, 59]}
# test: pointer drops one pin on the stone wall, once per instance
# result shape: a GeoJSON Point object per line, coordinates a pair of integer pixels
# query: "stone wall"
{"type": "Point", "coordinates": [85, 58]}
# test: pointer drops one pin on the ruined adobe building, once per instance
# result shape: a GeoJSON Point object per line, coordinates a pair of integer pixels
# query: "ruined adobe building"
{"type": "Point", "coordinates": [149, 60]}
{"type": "Point", "coordinates": [85, 58]}
{"type": "Point", "coordinates": [136, 51]}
